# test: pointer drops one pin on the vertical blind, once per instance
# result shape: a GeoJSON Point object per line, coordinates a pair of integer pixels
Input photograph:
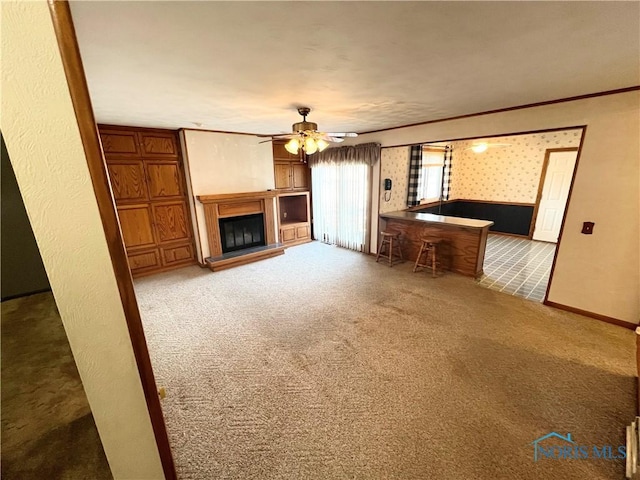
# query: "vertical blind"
{"type": "Point", "coordinates": [340, 204]}
{"type": "Point", "coordinates": [341, 185]}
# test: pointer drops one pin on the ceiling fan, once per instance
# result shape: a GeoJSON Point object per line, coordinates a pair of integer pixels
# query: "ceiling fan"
{"type": "Point", "coordinates": [306, 137]}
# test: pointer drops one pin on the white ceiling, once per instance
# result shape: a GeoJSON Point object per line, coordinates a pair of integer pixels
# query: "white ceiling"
{"type": "Point", "coordinates": [361, 66]}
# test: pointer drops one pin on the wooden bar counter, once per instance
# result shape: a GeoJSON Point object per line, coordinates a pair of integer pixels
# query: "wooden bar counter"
{"type": "Point", "coordinates": [464, 239]}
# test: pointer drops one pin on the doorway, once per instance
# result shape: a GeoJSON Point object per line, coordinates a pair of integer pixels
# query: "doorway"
{"type": "Point", "coordinates": [553, 193]}
{"type": "Point", "coordinates": [521, 263]}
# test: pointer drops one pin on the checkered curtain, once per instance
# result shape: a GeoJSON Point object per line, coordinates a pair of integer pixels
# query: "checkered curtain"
{"type": "Point", "coordinates": [446, 172]}
{"type": "Point", "coordinates": [415, 170]}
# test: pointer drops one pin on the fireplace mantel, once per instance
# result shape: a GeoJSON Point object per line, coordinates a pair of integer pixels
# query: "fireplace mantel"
{"type": "Point", "coordinates": [236, 196]}
{"type": "Point", "coordinates": [233, 205]}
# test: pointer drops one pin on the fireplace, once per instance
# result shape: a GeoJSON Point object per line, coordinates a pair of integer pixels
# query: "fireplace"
{"type": "Point", "coordinates": [245, 231]}
{"type": "Point", "coordinates": [240, 228]}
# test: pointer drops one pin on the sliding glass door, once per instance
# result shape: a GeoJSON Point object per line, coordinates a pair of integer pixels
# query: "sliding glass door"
{"type": "Point", "coordinates": [341, 192]}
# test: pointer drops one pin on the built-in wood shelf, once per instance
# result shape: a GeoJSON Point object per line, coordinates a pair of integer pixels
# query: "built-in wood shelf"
{"type": "Point", "coordinates": [294, 218]}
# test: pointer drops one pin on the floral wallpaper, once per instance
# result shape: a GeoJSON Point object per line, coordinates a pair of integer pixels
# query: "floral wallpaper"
{"type": "Point", "coordinates": [394, 164]}
{"type": "Point", "coordinates": [505, 173]}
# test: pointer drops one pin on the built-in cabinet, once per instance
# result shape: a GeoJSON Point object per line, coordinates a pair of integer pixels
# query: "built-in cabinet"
{"type": "Point", "coordinates": [147, 178]}
{"type": "Point", "coordinates": [294, 218]}
{"type": "Point", "coordinates": [290, 172]}
{"type": "Point", "coordinates": [293, 181]}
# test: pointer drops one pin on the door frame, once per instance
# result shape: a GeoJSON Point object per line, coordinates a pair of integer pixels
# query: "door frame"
{"type": "Point", "coordinates": [76, 80]}
{"type": "Point", "coordinates": [546, 301]}
{"type": "Point", "coordinates": [543, 176]}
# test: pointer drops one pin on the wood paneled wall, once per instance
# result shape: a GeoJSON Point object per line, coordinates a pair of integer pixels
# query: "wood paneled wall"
{"type": "Point", "coordinates": [148, 182]}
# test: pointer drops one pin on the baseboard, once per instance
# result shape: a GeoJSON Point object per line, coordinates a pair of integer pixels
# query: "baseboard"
{"type": "Point", "coordinates": [597, 316]}
{"type": "Point", "coordinates": [167, 268]}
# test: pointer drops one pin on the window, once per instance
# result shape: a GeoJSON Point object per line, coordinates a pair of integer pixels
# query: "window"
{"type": "Point", "coordinates": [430, 182]}
{"type": "Point", "coordinates": [340, 204]}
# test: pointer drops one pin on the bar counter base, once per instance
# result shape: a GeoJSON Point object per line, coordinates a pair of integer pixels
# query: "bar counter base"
{"type": "Point", "coordinates": [462, 248]}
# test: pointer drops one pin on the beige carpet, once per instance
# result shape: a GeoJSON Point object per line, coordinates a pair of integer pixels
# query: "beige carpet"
{"type": "Point", "coordinates": [48, 431]}
{"type": "Point", "coordinates": [322, 364]}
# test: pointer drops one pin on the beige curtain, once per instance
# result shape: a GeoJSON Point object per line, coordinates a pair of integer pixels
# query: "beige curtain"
{"type": "Point", "coordinates": [365, 153]}
{"type": "Point", "coordinates": [341, 186]}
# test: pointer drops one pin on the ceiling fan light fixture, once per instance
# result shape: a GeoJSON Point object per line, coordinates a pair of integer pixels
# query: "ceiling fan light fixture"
{"type": "Point", "coordinates": [306, 136]}
{"type": "Point", "coordinates": [292, 146]}
{"type": "Point", "coordinates": [310, 146]}
{"type": "Point", "coordinates": [322, 144]}
{"type": "Point", "coordinates": [479, 147]}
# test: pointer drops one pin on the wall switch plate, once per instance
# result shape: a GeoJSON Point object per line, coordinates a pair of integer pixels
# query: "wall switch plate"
{"type": "Point", "coordinates": [587, 228]}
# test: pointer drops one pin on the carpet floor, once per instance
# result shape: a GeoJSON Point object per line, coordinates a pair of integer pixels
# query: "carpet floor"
{"type": "Point", "coordinates": [322, 364]}
{"type": "Point", "coordinates": [48, 431]}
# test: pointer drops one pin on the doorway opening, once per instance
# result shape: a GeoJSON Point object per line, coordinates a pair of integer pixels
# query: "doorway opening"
{"type": "Point", "coordinates": [522, 265]}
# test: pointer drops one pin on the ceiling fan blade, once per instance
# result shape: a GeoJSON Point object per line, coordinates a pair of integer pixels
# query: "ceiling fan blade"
{"type": "Point", "coordinates": [279, 135]}
{"type": "Point", "coordinates": [335, 139]}
{"type": "Point", "coordinates": [341, 134]}
{"type": "Point", "coordinates": [266, 141]}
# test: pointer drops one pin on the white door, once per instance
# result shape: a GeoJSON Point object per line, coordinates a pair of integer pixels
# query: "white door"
{"type": "Point", "coordinates": [555, 192]}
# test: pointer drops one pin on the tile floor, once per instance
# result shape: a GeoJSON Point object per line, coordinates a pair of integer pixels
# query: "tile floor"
{"type": "Point", "coordinates": [517, 266]}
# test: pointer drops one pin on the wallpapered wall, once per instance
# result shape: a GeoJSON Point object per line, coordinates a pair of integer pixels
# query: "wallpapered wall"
{"type": "Point", "coordinates": [394, 164]}
{"type": "Point", "coordinates": [509, 173]}
{"type": "Point", "coordinates": [505, 173]}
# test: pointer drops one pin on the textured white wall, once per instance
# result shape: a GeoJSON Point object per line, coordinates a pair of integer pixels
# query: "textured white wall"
{"type": "Point", "coordinates": [225, 163]}
{"type": "Point", "coordinates": [46, 152]}
{"type": "Point", "coordinates": [599, 273]}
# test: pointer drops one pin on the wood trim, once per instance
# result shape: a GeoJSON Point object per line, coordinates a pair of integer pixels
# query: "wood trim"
{"type": "Point", "coordinates": [213, 234]}
{"type": "Point", "coordinates": [509, 109]}
{"type": "Point", "coordinates": [192, 199]}
{"type": "Point", "coordinates": [493, 135]}
{"type": "Point", "coordinates": [380, 190]}
{"type": "Point", "coordinates": [169, 268]}
{"type": "Point", "coordinates": [638, 370]}
{"type": "Point", "coordinates": [495, 202]}
{"type": "Point", "coordinates": [182, 164]}
{"type": "Point", "coordinates": [236, 196]}
{"type": "Point", "coordinates": [223, 131]}
{"type": "Point", "coordinates": [543, 175]}
{"type": "Point", "coordinates": [597, 316]}
{"type": "Point", "coordinates": [429, 205]}
{"type": "Point", "coordinates": [74, 72]}
{"type": "Point", "coordinates": [129, 128]}
{"type": "Point", "coordinates": [564, 215]}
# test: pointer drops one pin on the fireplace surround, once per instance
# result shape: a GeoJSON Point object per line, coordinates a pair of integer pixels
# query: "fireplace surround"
{"type": "Point", "coordinates": [218, 209]}
{"type": "Point", "coordinates": [241, 232]}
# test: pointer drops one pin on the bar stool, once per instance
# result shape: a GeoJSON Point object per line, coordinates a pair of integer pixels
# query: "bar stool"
{"type": "Point", "coordinates": [390, 240]}
{"type": "Point", "coordinates": [429, 250]}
